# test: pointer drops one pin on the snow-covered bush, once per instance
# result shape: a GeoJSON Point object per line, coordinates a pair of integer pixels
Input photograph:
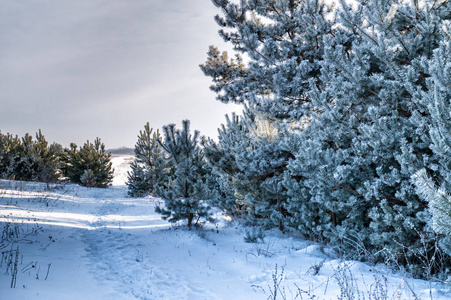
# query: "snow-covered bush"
{"type": "Point", "coordinates": [254, 235]}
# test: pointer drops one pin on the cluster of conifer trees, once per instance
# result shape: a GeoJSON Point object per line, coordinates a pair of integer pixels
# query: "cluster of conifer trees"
{"type": "Point", "coordinates": [173, 167]}
{"type": "Point", "coordinates": [35, 160]}
{"type": "Point", "coordinates": [345, 133]}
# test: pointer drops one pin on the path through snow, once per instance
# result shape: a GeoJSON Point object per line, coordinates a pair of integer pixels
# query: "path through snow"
{"type": "Point", "coordinates": [119, 253]}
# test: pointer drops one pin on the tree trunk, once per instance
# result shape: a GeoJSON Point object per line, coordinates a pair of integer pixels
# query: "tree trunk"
{"type": "Point", "coordinates": [190, 220]}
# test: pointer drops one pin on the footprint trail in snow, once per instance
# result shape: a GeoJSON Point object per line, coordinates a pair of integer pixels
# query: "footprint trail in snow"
{"type": "Point", "coordinates": [119, 257]}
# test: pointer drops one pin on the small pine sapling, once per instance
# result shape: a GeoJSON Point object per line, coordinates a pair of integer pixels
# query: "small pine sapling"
{"type": "Point", "coordinates": [150, 169]}
{"type": "Point", "coordinates": [187, 195]}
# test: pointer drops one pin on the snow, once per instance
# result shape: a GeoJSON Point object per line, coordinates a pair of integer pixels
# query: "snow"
{"type": "Point", "coordinates": [121, 165]}
{"type": "Point", "coordinates": [101, 244]}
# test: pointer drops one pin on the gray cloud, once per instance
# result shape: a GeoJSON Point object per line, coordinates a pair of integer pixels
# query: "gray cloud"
{"type": "Point", "coordinates": [81, 69]}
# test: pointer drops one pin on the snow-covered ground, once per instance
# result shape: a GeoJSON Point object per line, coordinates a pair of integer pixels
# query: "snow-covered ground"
{"type": "Point", "coordinates": [121, 165]}
{"type": "Point", "coordinates": [81, 243]}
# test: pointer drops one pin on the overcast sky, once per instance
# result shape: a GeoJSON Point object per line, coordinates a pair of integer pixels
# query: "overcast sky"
{"type": "Point", "coordinates": [87, 68]}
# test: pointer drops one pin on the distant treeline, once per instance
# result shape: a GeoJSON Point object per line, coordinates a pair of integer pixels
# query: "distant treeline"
{"type": "Point", "coordinates": [121, 151]}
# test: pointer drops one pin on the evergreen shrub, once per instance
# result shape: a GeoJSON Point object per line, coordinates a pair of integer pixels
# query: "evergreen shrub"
{"type": "Point", "coordinates": [89, 165]}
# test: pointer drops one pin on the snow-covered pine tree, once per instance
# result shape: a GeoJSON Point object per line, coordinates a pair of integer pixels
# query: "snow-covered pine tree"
{"type": "Point", "coordinates": [282, 42]}
{"type": "Point", "coordinates": [283, 45]}
{"type": "Point", "coordinates": [223, 157]}
{"type": "Point", "coordinates": [347, 89]}
{"type": "Point", "coordinates": [369, 133]}
{"type": "Point", "coordinates": [150, 168]}
{"type": "Point", "coordinates": [91, 156]}
{"type": "Point", "coordinates": [187, 195]}
{"type": "Point", "coordinates": [248, 164]}
{"type": "Point", "coordinates": [438, 99]}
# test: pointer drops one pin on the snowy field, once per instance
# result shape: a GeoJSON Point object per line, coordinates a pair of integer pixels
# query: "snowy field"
{"type": "Point", "coordinates": [79, 243]}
